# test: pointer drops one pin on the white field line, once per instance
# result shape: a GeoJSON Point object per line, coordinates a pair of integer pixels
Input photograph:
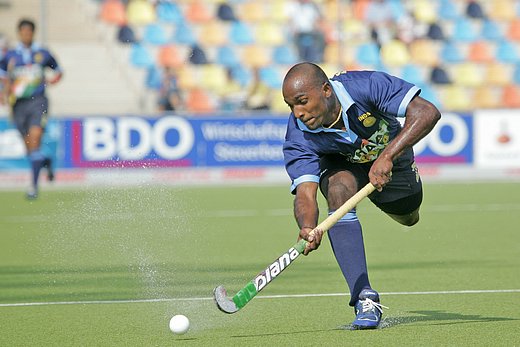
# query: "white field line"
{"type": "Point", "coordinates": [455, 208]}
{"type": "Point", "coordinates": [104, 302]}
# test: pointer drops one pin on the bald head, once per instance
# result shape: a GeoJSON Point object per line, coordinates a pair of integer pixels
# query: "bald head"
{"type": "Point", "coordinates": [304, 75]}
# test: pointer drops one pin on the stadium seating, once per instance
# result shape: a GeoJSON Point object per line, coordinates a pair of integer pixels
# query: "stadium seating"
{"type": "Point", "coordinates": [395, 53]}
{"type": "Point", "coordinates": [169, 56]}
{"type": "Point", "coordinates": [481, 51]}
{"type": "Point", "coordinates": [454, 54]}
{"type": "Point", "coordinates": [113, 11]}
{"type": "Point", "coordinates": [169, 12]}
{"type": "Point", "coordinates": [155, 34]}
{"type": "Point", "coordinates": [199, 101]}
{"type": "Point", "coordinates": [140, 12]}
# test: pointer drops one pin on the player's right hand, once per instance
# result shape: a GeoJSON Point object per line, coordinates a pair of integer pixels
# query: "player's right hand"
{"type": "Point", "coordinates": [313, 237]}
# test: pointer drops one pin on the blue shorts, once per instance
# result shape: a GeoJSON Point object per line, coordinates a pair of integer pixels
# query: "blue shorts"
{"type": "Point", "coordinates": [30, 112]}
{"type": "Point", "coordinates": [402, 195]}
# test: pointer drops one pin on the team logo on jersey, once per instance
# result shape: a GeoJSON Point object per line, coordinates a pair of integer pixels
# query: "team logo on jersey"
{"type": "Point", "coordinates": [38, 58]}
{"type": "Point", "coordinates": [367, 119]}
{"type": "Point", "coordinates": [371, 148]}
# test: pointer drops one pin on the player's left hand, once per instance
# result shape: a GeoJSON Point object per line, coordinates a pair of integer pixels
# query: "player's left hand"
{"type": "Point", "coordinates": [381, 172]}
{"type": "Point", "coordinates": [313, 237]}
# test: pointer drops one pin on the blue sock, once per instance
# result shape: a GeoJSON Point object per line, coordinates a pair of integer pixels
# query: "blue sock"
{"type": "Point", "coordinates": [346, 239]}
{"type": "Point", "coordinates": [36, 157]}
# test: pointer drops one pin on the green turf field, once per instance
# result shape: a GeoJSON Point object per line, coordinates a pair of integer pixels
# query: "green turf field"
{"type": "Point", "coordinates": [109, 267]}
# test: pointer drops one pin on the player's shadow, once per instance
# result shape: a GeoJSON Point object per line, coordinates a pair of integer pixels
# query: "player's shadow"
{"type": "Point", "coordinates": [434, 318]}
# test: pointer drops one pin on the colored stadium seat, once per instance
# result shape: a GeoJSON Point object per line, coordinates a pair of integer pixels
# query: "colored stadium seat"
{"type": "Point", "coordinates": [155, 34]}
{"type": "Point", "coordinates": [284, 55]}
{"type": "Point", "coordinates": [255, 56]}
{"type": "Point", "coordinates": [424, 52]}
{"type": "Point", "coordinates": [241, 74]}
{"type": "Point", "coordinates": [359, 9]}
{"type": "Point", "coordinates": [425, 11]}
{"type": "Point", "coordinates": [241, 33]}
{"type": "Point", "coordinates": [368, 54]}
{"type": "Point", "coordinates": [481, 52]}
{"type": "Point", "coordinates": [140, 12]}
{"type": "Point", "coordinates": [513, 30]}
{"type": "Point", "coordinates": [490, 30]}
{"type": "Point", "coordinates": [113, 11]}
{"type": "Point", "coordinates": [464, 30]}
{"type": "Point", "coordinates": [447, 10]}
{"type": "Point", "coordinates": [198, 12]}
{"type": "Point", "coordinates": [270, 34]}
{"type": "Point", "coordinates": [214, 77]}
{"type": "Point", "coordinates": [395, 53]}
{"type": "Point", "coordinates": [467, 74]}
{"type": "Point", "coordinates": [278, 11]}
{"type": "Point", "coordinates": [213, 33]}
{"type": "Point", "coordinates": [169, 12]}
{"type": "Point", "coordinates": [456, 98]}
{"type": "Point", "coordinates": [278, 104]}
{"type": "Point", "coordinates": [188, 75]}
{"type": "Point", "coordinates": [486, 97]}
{"type": "Point", "coordinates": [502, 10]}
{"type": "Point", "coordinates": [251, 11]}
{"type": "Point", "coordinates": [516, 74]}
{"type": "Point", "coordinates": [413, 74]}
{"type": "Point", "coordinates": [510, 96]}
{"type": "Point", "coordinates": [183, 34]}
{"type": "Point", "coordinates": [271, 76]}
{"type": "Point", "coordinates": [507, 52]}
{"type": "Point", "coordinates": [451, 53]}
{"type": "Point", "coordinates": [169, 56]}
{"type": "Point", "coordinates": [199, 101]}
{"type": "Point", "coordinates": [140, 57]}
{"type": "Point", "coordinates": [226, 56]}
{"type": "Point", "coordinates": [498, 74]}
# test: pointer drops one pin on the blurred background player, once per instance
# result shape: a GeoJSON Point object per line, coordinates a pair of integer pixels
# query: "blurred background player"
{"type": "Point", "coordinates": [22, 71]}
{"type": "Point", "coordinates": [342, 134]}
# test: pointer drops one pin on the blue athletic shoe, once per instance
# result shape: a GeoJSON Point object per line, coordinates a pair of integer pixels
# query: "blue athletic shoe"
{"type": "Point", "coordinates": [368, 310]}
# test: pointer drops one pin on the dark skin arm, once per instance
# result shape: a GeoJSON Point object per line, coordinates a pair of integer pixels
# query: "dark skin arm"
{"type": "Point", "coordinates": [421, 117]}
{"type": "Point", "coordinates": [306, 213]}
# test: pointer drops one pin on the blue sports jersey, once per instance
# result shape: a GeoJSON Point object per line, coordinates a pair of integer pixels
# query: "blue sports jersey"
{"type": "Point", "coordinates": [371, 102]}
{"type": "Point", "coordinates": [25, 68]}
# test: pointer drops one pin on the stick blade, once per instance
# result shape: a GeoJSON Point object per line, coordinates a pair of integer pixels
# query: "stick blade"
{"type": "Point", "coordinates": [222, 301]}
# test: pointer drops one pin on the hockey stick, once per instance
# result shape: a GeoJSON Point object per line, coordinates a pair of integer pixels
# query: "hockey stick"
{"type": "Point", "coordinates": [258, 283]}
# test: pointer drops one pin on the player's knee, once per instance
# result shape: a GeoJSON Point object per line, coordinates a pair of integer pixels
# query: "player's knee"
{"type": "Point", "coordinates": [339, 190]}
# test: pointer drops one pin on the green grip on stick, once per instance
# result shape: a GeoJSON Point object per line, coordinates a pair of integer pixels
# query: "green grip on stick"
{"type": "Point", "coordinates": [247, 293]}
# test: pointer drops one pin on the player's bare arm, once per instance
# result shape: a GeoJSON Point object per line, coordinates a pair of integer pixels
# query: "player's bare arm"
{"type": "Point", "coordinates": [306, 213]}
{"type": "Point", "coordinates": [421, 117]}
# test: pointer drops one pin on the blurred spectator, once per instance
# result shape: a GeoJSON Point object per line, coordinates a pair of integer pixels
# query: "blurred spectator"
{"type": "Point", "coordinates": [408, 29]}
{"type": "Point", "coordinates": [435, 32]}
{"type": "Point", "coordinates": [260, 95]}
{"type": "Point", "coordinates": [225, 12]}
{"type": "Point", "coordinates": [439, 75]}
{"type": "Point", "coordinates": [170, 97]}
{"type": "Point", "coordinates": [305, 22]}
{"type": "Point", "coordinates": [125, 34]}
{"type": "Point", "coordinates": [197, 55]}
{"type": "Point", "coordinates": [232, 95]}
{"type": "Point", "coordinates": [379, 16]}
{"type": "Point", "coordinates": [474, 10]}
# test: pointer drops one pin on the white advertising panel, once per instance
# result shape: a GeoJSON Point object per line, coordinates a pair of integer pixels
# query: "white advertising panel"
{"type": "Point", "coordinates": [497, 139]}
